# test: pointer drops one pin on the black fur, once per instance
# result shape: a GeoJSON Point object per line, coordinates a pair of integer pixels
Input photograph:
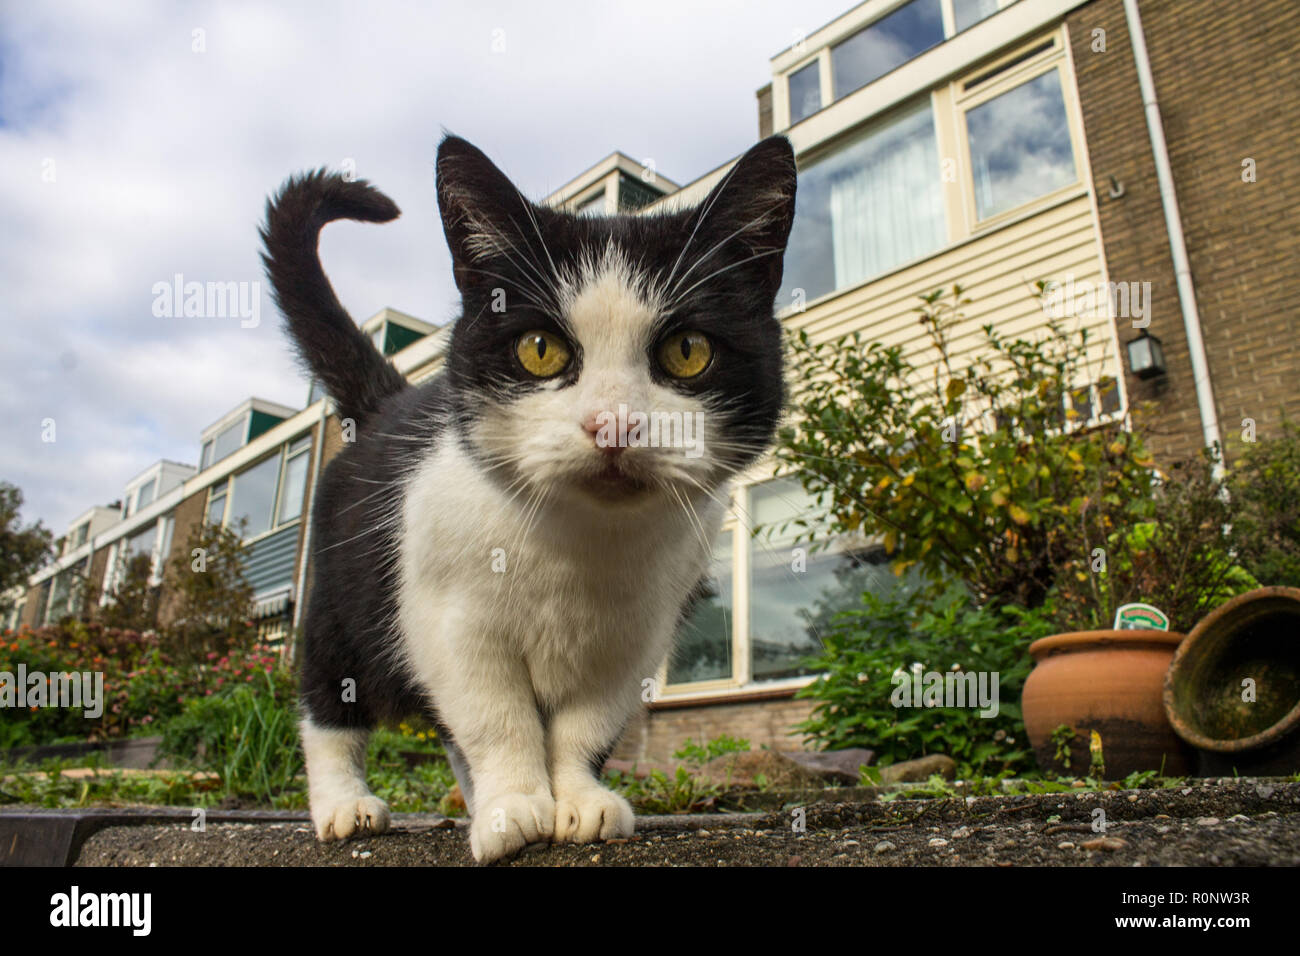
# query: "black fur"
{"type": "Point", "coordinates": [742, 226]}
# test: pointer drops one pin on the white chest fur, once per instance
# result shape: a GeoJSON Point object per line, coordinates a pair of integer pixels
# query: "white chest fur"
{"type": "Point", "coordinates": [583, 596]}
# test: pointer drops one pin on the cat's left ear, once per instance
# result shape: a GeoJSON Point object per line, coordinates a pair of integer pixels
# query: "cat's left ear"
{"type": "Point", "coordinates": [751, 210]}
{"type": "Point", "coordinates": [483, 214]}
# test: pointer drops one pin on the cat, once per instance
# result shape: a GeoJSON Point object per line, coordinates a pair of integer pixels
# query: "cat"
{"type": "Point", "coordinates": [488, 551]}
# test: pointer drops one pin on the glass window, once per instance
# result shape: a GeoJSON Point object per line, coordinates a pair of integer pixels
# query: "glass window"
{"type": "Point", "coordinates": [595, 206]}
{"type": "Point", "coordinates": [967, 13]}
{"type": "Point", "coordinates": [888, 43]}
{"type": "Point", "coordinates": [144, 498]}
{"type": "Point", "coordinates": [229, 440]}
{"type": "Point", "coordinates": [1020, 145]}
{"type": "Point", "coordinates": [292, 487]}
{"type": "Point", "coordinates": [217, 503]}
{"type": "Point", "coordinates": [805, 92]}
{"type": "Point", "coordinates": [702, 650]}
{"type": "Point", "coordinates": [253, 496]}
{"type": "Point", "coordinates": [796, 589]}
{"type": "Point", "coordinates": [80, 534]}
{"type": "Point", "coordinates": [141, 542]}
{"type": "Point", "coordinates": [206, 458]}
{"type": "Point", "coordinates": [873, 204]}
{"type": "Point", "coordinates": [1108, 389]}
{"type": "Point", "coordinates": [317, 392]}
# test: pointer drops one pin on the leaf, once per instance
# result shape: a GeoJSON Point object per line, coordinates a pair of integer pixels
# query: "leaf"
{"type": "Point", "coordinates": [891, 541]}
{"type": "Point", "coordinates": [1018, 514]}
{"type": "Point", "coordinates": [955, 388]}
{"type": "Point", "coordinates": [975, 481]}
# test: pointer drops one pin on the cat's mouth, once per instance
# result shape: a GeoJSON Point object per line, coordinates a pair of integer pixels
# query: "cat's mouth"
{"type": "Point", "coordinates": [611, 482]}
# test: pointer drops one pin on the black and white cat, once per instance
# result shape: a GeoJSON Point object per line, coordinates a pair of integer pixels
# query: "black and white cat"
{"type": "Point", "coordinates": [484, 551]}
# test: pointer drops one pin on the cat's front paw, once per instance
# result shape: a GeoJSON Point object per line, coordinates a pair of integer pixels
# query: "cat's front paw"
{"type": "Point", "coordinates": [338, 820]}
{"type": "Point", "coordinates": [592, 814]}
{"type": "Point", "coordinates": [505, 824]}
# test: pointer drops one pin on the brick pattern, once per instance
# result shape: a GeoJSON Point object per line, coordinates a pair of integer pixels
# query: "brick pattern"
{"type": "Point", "coordinates": [1228, 85]}
{"type": "Point", "coordinates": [655, 734]}
{"type": "Point", "coordinates": [189, 513]}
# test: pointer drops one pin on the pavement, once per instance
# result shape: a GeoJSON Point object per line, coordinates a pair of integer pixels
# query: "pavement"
{"type": "Point", "coordinates": [1223, 822]}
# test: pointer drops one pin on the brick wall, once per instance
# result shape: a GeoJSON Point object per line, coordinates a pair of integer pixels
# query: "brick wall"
{"type": "Point", "coordinates": [1228, 85]}
{"type": "Point", "coordinates": [189, 514]}
{"type": "Point", "coordinates": [656, 733]}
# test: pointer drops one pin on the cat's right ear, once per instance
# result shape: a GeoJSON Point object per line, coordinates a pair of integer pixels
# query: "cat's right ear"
{"type": "Point", "coordinates": [481, 209]}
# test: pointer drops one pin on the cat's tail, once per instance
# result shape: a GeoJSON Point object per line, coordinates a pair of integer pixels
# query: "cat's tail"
{"type": "Point", "coordinates": [334, 350]}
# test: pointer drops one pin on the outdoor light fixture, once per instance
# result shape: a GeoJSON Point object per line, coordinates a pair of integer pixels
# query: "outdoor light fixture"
{"type": "Point", "coordinates": [1145, 356]}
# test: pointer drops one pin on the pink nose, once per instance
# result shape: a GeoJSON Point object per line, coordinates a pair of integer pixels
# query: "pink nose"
{"type": "Point", "coordinates": [606, 440]}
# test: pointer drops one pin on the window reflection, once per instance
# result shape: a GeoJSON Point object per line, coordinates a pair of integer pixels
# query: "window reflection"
{"type": "Point", "coordinates": [805, 92]}
{"type": "Point", "coordinates": [1020, 145]}
{"type": "Point", "coordinates": [888, 43]}
{"type": "Point", "coordinates": [703, 647]}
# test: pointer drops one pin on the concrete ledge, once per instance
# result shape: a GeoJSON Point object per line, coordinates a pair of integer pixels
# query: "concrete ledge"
{"type": "Point", "coordinates": [1246, 822]}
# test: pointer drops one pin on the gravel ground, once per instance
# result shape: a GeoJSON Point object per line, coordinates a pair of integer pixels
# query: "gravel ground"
{"type": "Point", "coordinates": [1219, 823]}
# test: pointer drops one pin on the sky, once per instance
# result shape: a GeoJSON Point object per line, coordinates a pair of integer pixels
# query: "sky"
{"type": "Point", "coordinates": [139, 141]}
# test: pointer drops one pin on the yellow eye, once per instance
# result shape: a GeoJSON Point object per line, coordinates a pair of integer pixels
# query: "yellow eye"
{"type": "Point", "coordinates": [685, 355]}
{"type": "Point", "coordinates": [542, 354]}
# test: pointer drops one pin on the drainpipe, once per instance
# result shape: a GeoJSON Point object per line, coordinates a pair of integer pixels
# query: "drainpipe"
{"type": "Point", "coordinates": [307, 513]}
{"type": "Point", "coordinates": [1174, 226]}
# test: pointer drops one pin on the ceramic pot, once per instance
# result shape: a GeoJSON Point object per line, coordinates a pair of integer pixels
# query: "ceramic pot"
{"type": "Point", "coordinates": [1111, 682]}
{"type": "Point", "coordinates": [1233, 689]}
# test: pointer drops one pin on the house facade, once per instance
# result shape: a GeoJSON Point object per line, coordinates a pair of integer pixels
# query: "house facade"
{"type": "Point", "coordinates": [1135, 154]}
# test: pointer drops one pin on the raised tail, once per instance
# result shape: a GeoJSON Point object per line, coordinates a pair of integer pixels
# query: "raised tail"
{"type": "Point", "coordinates": [339, 354]}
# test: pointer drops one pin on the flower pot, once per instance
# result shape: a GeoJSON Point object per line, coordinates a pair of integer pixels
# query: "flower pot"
{"type": "Point", "coordinates": [1233, 689]}
{"type": "Point", "coordinates": [1111, 682]}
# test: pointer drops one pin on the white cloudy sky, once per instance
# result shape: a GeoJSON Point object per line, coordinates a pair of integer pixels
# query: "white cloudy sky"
{"type": "Point", "coordinates": [162, 159]}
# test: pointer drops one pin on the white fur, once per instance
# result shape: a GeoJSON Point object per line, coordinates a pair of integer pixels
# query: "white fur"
{"type": "Point", "coordinates": [587, 605]}
{"type": "Point", "coordinates": [341, 804]}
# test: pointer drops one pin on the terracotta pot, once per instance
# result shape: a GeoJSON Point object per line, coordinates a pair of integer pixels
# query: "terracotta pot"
{"type": "Point", "coordinates": [1235, 726]}
{"type": "Point", "coordinates": [1110, 682]}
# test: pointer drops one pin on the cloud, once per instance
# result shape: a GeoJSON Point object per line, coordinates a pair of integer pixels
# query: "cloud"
{"type": "Point", "coordinates": [162, 157]}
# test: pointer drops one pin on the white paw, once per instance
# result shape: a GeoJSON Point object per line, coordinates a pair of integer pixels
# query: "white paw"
{"type": "Point", "coordinates": [504, 824]}
{"type": "Point", "coordinates": [339, 820]}
{"type": "Point", "coordinates": [592, 814]}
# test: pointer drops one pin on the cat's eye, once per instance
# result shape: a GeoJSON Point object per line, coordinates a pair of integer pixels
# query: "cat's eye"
{"type": "Point", "coordinates": [685, 354]}
{"type": "Point", "coordinates": [542, 354]}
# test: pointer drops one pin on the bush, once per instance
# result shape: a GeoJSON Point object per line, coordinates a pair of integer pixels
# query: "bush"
{"type": "Point", "coordinates": [867, 646]}
{"type": "Point", "coordinates": [144, 686]}
{"type": "Point", "coordinates": [247, 734]}
{"type": "Point", "coordinates": [979, 472]}
{"type": "Point", "coordinates": [1265, 485]}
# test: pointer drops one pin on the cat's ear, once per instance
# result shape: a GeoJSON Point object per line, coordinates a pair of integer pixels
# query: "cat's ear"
{"type": "Point", "coordinates": [482, 211]}
{"type": "Point", "coordinates": [748, 215]}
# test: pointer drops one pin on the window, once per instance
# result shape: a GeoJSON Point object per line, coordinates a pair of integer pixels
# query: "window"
{"type": "Point", "coordinates": [967, 13]}
{"type": "Point", "coordinates": [206, 458]}
{"type": "Point", "coordinates": [886, 44]}
{"type": "Point", "coordinates": [805, 92]}
{"type": "Point", "coordinates": [1020, 145]}
{"type": "Point", "coordinates": [294, 482]}
{"type": "Point", "coordinates": [702, 650]}
{"type": "Point", "coordinates": [79, 535]}
{"type": "Point", "coordinates": [230, 439]}
{"type": "Point", "coordinates": [316, 393]}
{"type": "Point", "coordinates": [873, 204]}
{"type": "Point", "coordinates": [253, 497]}
{"type": "Point", "coordinates": [141, 542]}
{"type": "Point", "coordinates": [792, 591]}
{"type": "Point", "coordinates": [594, 206]}
{"type": "Point", "coordinates": [267, 495]}
{"type": "Point", "coordinates": [217, 495]}
{"type": "Point", "coordinates": [144, 497]}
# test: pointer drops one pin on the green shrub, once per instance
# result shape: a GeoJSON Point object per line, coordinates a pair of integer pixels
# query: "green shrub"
{"type": "Point", "coordinates": [867, 646]}
{"type": "Point", "coordinates": [1265, 484]}
{"type": "Point", "coordinates": [247, 735]}
{"type": "Point", "coordinates": [700, 754]}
